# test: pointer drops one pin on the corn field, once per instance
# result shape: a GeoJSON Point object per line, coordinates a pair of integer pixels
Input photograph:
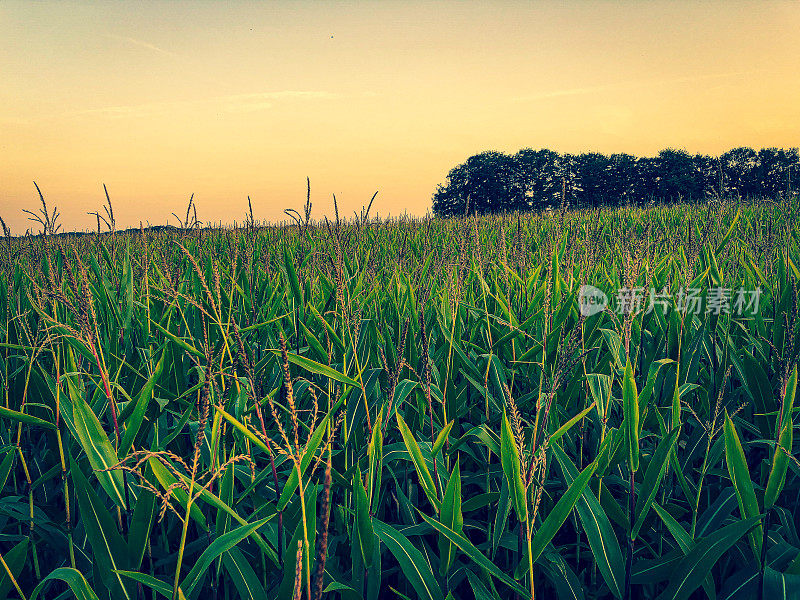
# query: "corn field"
{"type": "Point", "coordinates": [409, 408]}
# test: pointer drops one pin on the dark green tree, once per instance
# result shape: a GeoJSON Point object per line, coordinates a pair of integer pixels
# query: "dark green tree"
{"type": "Point", "coordinates": [706, 175]}
{"type": "Point", "coordinates": [645, 180]}
{"type": "Point", "coordinates": [596, 175]}
{"type": "Point", "coordinates": [486, 183]}
{"type": "Point", "coordinates": [571, 178]}
{"type": "Point", "coordinates": [776, 169]}
{"type": "Point", "coordinates": [740, 172]}
{"type": "Point", "coordinates": [538, 172]}
{"type": "Point", "coordinates": [535, 179]}
{"type": "Point", "coordinates": [622, 179]}
{"type": "Point", "coordinates": [675, 175]}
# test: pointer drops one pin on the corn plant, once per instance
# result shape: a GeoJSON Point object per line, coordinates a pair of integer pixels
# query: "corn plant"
{"type": "Point", "coordinates": [410, 408]}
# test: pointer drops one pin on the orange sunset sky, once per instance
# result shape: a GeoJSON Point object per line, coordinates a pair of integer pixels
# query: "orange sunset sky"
{"type": "Point", "coordinates": [224, 99]}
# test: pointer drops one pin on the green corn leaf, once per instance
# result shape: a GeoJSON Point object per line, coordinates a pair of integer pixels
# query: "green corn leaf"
{"type": "Point", "coordinates": [309, 452]}
{"type": "Point", "coordinates": [244, 430]}
{"type": "Point", "coordinates": [365, 536]}
{"type": "Point", "coordinates": [600, 387]}
{"type": "Point", "coordinates": [413, 564]}
{"type": "Point", "coordinates": [20, 417]}
{"type": "Point", "coordinates": [222, 544]}
{"type": "Point", "coordinates": [614, 343]}
{"type": "Point", "coordinates": [140, 527]}
{"type": "Point", "coordinates": [740, 477]}
{"type": "Point", "coordinates": [649, 388]}
{"type": "Point", "coordinates": [473, 553]}
{"type": "Point", "coordinates": [291, 276]}
{"type": "Point", "coordinates": [290, 557]}
{"type": "Point", "coordinates": [480, 591]}
{"type": "Point", "coordinates": [676, 399]}
{"type": "Point", "coordinates": [15, 561]}
{"type": "Point", "coordinates": [597, 526]}
{"type": "Point", "coordinates": [501, 517]}
{"type": "Point", "coordinates": [314, 343]}
{"type": "Point", "coordinates": [425, 479]}
{"type": "Point", "coordinates": [682, 537]}
{"type": "Point", "coordinates": [555, 279]}
{"type": "Point", "coordinates": [685, 543]}
{"type": "Point", "coordinates": [780, 586]}
{"type": "Point", "coordinates": [166, 479]}
{"type": "Point", "coordinates": [697, 282]}
{"type": "Point", "coordinates": [480, 501]}
{"type": "Point", "coordinates": [652, 479]}
{"type": "Point", "coordinates": [163, 588]}
{"type": "Point", "coordinates": [780, 457]}
{"type": "Point", "coordinates": [610, 450]}
{"type": "Point", "coordinates": [180, 342]}
{"type": "Point", "coordinates": [561, 575]}
{"type": "Point", "coordinates": [401, 392]}
{"type": "Point", "coordinates": [164, 475]}
{"type": "Point", "coordinates": [5, 468]}
{"type": "Point", "coordinates": [243, 576]}
{"type": "Point", "coordinates": [726, 238]}
{"type": "Point", "coordinates": [73, 578]}
{"type": "Point", "coordinates": [95, 443]}
{"type": "Point", "coordinates": [226, 496]}
{"type": "Point", "coordinates": [693, 568]}
{"type": "Point", "coordinates": [630, 408]}
{"type": "Point", "coordinates": [758, 385]}
{"type": "Point", "coordinates": [452, 517]}
{"type": "Point", "coordinates": [108, 547]}
{"type": "Point", "coordinates": [716, 276]}
{"type": "Point", "coordinates": [556, 517]}
{"type": "Point", "coordinates": [334, 337]}
{"type": "Point", "coordinates": [509, 457]}
{"type": "Point", "coordinates": [570, 423]}
{"type": "Point", "coordinates": [128, 288]}
{"type": "Point", "coordinates": [375, 455]}
{"type": "Point", "coordinates": [320, 369]}
{"type": "Point", "coordinates": [134, 422]}
{"type": "Point", "coordinates": [442, 438]}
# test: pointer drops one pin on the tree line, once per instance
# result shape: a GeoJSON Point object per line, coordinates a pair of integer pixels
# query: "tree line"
{"type": "Point", "coordinates": [536, 179]}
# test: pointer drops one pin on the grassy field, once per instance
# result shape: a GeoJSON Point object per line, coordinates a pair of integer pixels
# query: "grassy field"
{"type": "Point", "coordinates": [411, 408]}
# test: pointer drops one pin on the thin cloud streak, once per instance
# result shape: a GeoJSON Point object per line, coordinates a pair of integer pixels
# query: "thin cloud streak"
{"type": "Point", "coordinates": [141, 44]}
{"type": "Point", "coordinates": [284, 94]}
{"type": "Point", "coordinates": [265, 100]}
{"type": "Point", "coordinates": [629, 84]}
{"type": "Point", "coordinates": [231, 103]}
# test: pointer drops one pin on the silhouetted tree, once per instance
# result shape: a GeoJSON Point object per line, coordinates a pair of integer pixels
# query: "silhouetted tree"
{"type": "Point", "coordinates": [538, 172]}
{"type": "Point", "coordinates": [448, 199]}
{"type": "Point", "coordinates": [622, 178]}
{"type": "Point", "coordinates": [675, 177]}
{"type": "Point", "coordinates": [739, 168]}
{"type": "Point", "coordinates": [646, 177]}
{"type": "Point", "coordinates": [534, 179]}
{"type": "Point", "coordinates": [571, 177]}
{"type": "Point", "coordinates": [775, 168]}
{"type": "Point", "coordinates": [706, 176]}
{"type": "Point", "coordinates": [485, 183]}
{"type": "Point", "coordinates": [595, 178]}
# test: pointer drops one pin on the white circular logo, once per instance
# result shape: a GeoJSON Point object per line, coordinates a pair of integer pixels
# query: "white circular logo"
{"type": "Point", "coordinates": [591, 300]}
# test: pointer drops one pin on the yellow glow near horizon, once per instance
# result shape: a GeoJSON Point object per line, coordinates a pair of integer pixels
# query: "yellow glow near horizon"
{"type": "Point", "coordinates": [162, 99]}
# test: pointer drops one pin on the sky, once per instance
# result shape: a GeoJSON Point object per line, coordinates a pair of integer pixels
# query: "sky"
{"type": "Point", "coordinates": [159, 100]}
